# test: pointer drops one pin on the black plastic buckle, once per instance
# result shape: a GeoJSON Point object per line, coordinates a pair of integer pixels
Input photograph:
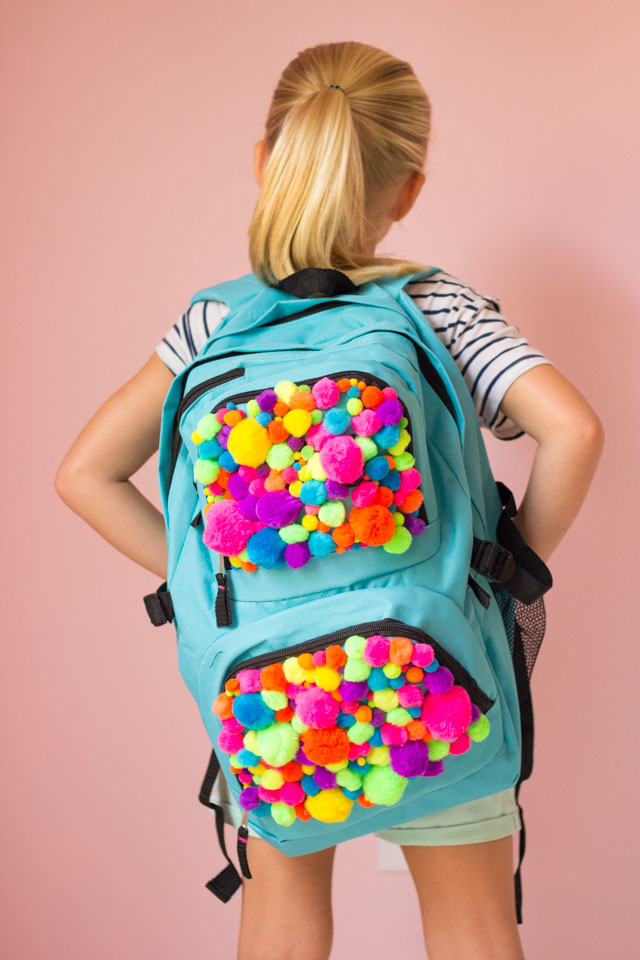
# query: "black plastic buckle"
{"type": "Point", "coordinates": [159, 606]}
{"type": "Point", "coordinates": [494, 561]}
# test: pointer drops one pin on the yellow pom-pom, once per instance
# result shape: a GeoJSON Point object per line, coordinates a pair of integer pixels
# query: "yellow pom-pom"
{"type": "Point", "coordinates": [309, 522]}
{"type": "Point", "coordinates": [327, 678]}
{"type": "Point", "coordinates": [293, 672]}
{"type": "Point", "coordinates": [385, 699]}
{"type": "Point", "coordinates": [378, 756]}
{"type": "Point", "coordinates": [308, 768]}
{"type": "Point", "coordinates": [284, 390]}
{"type": "Point", "coordinates": [304, 473]}
{"type": "Point", "coordinates": [271, 779]}
{"type": "Point", "coordinates": [316, 468]}
{"type": "Point", "coordinates": [329, 806]}
{"type": "Point", "coordinates": [249, 443]}
{"type": "Point", "coordinates": [195, 436]}
{"type": "Point", "coordinates": [391, 670]}
{"type": "Point", "coordinates": [235, 561]}
{"type": "Point", "coordinates": [297, 422]}
{"type": "Point", "coordinates": [401, 445]}
{"type": "Point", "coordinates": [295, 488]}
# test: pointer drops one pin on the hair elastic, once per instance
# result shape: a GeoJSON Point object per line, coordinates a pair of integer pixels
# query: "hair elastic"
{"type": "Point", "coordinates": [337, 85]}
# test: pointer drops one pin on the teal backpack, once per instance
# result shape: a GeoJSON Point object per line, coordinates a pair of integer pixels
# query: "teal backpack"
{"type": "Point", "coordinates": [357, 616]}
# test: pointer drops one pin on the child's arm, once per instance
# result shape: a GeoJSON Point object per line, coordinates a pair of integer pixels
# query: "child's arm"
{"type": "Point", "coordinates": [93, 478]}
{"type": "Point", "coordinates": [570, 439]}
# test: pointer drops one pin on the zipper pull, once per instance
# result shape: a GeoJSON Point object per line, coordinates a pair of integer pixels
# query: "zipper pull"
{"type": "Point", "coordinates": [223, 610]}
{"type": "Point", "coordinates": [241, 848]}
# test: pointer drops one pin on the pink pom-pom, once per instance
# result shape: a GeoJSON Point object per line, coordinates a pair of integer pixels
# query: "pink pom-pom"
{"type": "Point", "coordinates": [215, 489]}
{"type": "Point", "coordinates": [247, 473]}
{"type": "Point", "coordinates": [325, 393]}
{"type": "Point", "coordinates": [461, 745]}
{"type": "Point", "coordinates": [269, 796]}
{"type": "Point", "coordinates": [319, 658]}
{"type": "Point", "coordinates": [349, 706]}
{"type": "Point", "coordinates": [249, 681]}
{"type": "Point", "coordinates": [366, 423]}
{"type": "Point", "coordinates": [393, 735]}
{"type": "Point", "coordinates": [389, 393]}
{"type": "Point", "coordinates": [358, 750]}
{"type": "Point", "coordinates": [292, 690]}
{"type": "Point", "coordinates": [289, 475]}
{"type": "Point", "coordinates": [410, 696]}
{"type": "Point", "coordinates": [317, 436]}
{"type": "Point", "coordinates": [342, 459]}
{"type": "Point", "coordinates": [376, 651]}
{"type": "Point", "coordinates": [398, 498]}
{"type": "Point", "coordinates": [256, 487]}
{"type": "Point", "coordinates": [220, 414]}
{"type": "Point", "coordinates": [422, 654]}
{"type": "Point", "coordinates": [230, 738]}
{"type": "Point", "coordinates": [316, 708]}
{"type": "Point", "coordinates": [312, 508]}
{"type": "Point", "coordinates": [226, 530]}
{"type": "Point", "coordinates": [245, 777]}
{"type": "Point", "coordinates": [364, 494]}
{"type": "Point", "coordinates": [447, 715]}
{"type": "Point", "coordinates": [291, 793]}
{"type": "Point", "coordinates": [409, 480]}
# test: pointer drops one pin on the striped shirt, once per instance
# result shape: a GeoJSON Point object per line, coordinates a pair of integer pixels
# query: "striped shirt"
{"type": "Point", "coordinates": [489, 352]}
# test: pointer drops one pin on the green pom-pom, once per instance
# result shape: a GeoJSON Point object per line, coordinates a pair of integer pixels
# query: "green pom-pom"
{"type": "Point", "coordinates": [283, 814]}
{"type": "Point", "coordinates": [206, 471]}
{"type": "Point", "coordinates": [334, 767]}
{"type": "Point", "coordinates": [208, 426]}
{"type": "Point", "coordinates": [356, 670]}
{"type": "Point", "coordinates": [400, 541]}
{"type": "Point", "coordinates": [280, 456]}
{"type": "Point", "coordinates": [275, 699]}
{"type": "Point", "coordinates": [277, 744]}
{"type": "Point", "coordinates": [402, 444]}
{"type": "Point", "coordinates": [354, 646]}
{"type": "Point", "coordinates": [354, 406]}
{"type": "Point", "coordinates": [438, 749]}
{"type": "Point", "coordinates": [250, 742]}
{"type": "Point", "coordinates": [349, 779]}
{"type": "Point", "coordinates": [297, 724]}
{"type": "Point", "coordinates": [368, 447]}
{"type": "Point", "coordinates": [392, 670]}
{"type": "Point", "coordinates": [399, 716]}
{"type": "Point", "coordinates": [383, 785]}
{"type": "Point", "coordinates": [386, 700]}
{"type": "Point", "coordinates": [253, 408]}
{"type": "Point", "coordinates": [307, 451]}
{"type": "Point", "coordinates": [398, 518]}
{"type": "Point", "coordinates": [316, 416]}
{"type": "Point", "coordinates": [316, 468]}
{"type": "Point", "coordinates": [332, 513]}
{"type": "Point", "coordinates": [480, 729]}
{"type": "Point", "coordinates": [304, 388]}
{"type": "Point", "coordinates": [284, 390]}
{"type": "Point", "coordinates": [360, 732]}
{"type": "Point", "coordinates": [404, 461]}
{"type": "Point", "coordinates": [294, 533]}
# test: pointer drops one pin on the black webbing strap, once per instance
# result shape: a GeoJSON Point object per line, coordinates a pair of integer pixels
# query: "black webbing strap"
{"type": "Point", "coordinates": [225, 884]}
{"type": "Point", "coordinates": [159, 606]}
{"type": "Point", "coordinates": [510, 561]}
{"type": "Point", "coordinates": [526, 766]}
{"type": "Point", "coordinates": [323, 280]}
{"type": "Point", "coordinates": [223, 607]}
{"type": "Point", "coordinates": [241, 845]}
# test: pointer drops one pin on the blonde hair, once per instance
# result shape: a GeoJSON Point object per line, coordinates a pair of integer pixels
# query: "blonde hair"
{"type": "Point", "coordinates": [330, 153]}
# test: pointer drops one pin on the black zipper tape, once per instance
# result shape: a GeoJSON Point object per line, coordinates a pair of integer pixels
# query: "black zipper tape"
{"type": "Point", "coordinates": [388, 627]}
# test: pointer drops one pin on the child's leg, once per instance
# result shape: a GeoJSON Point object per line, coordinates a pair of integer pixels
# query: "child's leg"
{"type": "Point", "coordinates": [467, 900]}
{"type": "Point", "coordinates": [286, 906]}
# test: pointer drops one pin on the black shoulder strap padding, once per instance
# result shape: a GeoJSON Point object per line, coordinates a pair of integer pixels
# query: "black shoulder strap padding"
{"type": "Point", "coordinates": [314, 280]}
{"type": "Point", "coordinates": [159, 606]}
{"type": "Point", "coordinates": [225, 884]}
{"type": "Point", "coordinates": [526, 766]}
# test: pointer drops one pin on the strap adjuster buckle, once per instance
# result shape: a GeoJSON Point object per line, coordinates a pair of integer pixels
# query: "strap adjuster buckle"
{"type": "Point", "coordinates": [494, 561]}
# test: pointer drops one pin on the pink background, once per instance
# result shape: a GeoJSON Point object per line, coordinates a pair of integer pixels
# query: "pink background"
{"type": "Point", "coordinates": [129, 186]}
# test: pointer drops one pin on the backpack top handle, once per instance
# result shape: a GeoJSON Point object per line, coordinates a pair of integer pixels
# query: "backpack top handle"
{"type": "Point", "coordinates": [314, 281]}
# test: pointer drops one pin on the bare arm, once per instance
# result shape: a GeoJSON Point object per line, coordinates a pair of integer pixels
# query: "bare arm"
{"type": "Point", "coordinates": [93, 478]}
{"type": "Point", "coordinates": [570, 439]}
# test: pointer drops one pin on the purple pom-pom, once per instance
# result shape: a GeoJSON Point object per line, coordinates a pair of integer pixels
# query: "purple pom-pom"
{"type": "Point", "coordinates": [324, 778]}
{"type": "Point", "coordinates": [336, 491]}
{"type": "Point", "coordinates": [296, 443]}
{"type": "Point", "coordinates": [439, 681]}
{"type": "Point", "coordinates": [223, 435]}
{"type": "Point", "coordinates": [414, 525]}
{"type": "Point", "coordinates": [237, 487]}
{"type": "Point", "coordinates": [351, 691]}
{"type": "Point", "coordinates": [390, 412]}
{"type": "Point", "coordinates": [247, 507]}
{"type": "Point", "coordinates": [267, 400]}
{"type": "Point", "coordinates": [301, 756]}
{"type": "Point", "coordinates": [297, 554]}
{"type": "Point", "coordinates": [378, 717]}
{"type": "Point", "coordinates": [278, 508]}
{"type": "Point", "coordinates": [411, 759]}
{"type": "Point", "coordinates": [263, 470]}
{"type": "Point", "coordinates": [476, 712]}
{"type": "Point", "coordinates": [249, 798]}
{"type": "Point", "coordinates": [434, 768]}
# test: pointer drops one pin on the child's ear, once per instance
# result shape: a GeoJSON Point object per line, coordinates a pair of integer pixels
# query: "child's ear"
{"type": "Point", "coordinates": [260, 156]}
{"type": "Point", "coordinates": [408, 194]}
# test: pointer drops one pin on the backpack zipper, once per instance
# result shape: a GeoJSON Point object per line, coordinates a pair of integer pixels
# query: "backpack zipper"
{"type": "Point", "coordinates": [190, 398]}
{"type": "Point", "coordinates": [384, 627]}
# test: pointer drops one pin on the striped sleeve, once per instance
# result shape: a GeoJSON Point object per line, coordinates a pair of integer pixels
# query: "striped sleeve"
{"type": "Point", "coordinates": [184, 340]}
{"type": "Point", "coordinates": [489, 352]}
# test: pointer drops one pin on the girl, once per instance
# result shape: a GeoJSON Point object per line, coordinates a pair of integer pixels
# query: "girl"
{"type": "Point", "coordinates": [342, 159]}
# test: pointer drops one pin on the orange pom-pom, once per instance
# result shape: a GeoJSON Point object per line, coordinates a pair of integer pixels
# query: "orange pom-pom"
{"type": "Point", "coordinates": [302, 812]}
{"type": "Point", "coordinates": [384, 496]}
{"type": "Point", "coordinates": [284, 714]}
{"type": "Point", "coordinates": [302, 400]}
{"type": "Point", "coordinates": [343, 385]}
{"type": "Point", "coordinates": [277, 431]}
{"type": "Point", "coordinates": [373, 525]}
{"type": "Point", "coordinates": [361, 385]}
{"type": "Point", "coordinates": [412, 501]}
{"type": "Point", "coordinates": [306, 661]}
{"type": "Point", "coordinates": [223, 706]}
{"type": "Point", "coordinates": [248, 566]}
{"type": "Point", "coordinates": [292, 771]}
{"type": "Point", "coordinates": [280, 408]}
{"type": "Point", "coordinates": [363, 714]}
{"type": "Point", "coordinates": [323, 527]}
{"type": "Point", "coordinates": [336, 656]}
{"type": "Point", "coordinates": [273, 678]}
{"type": "Point", "coordinates": [275, 481]}
{"type": "Point", "coordinates": [400, 650]}
{"type": "Point", "coordinates": [232, 685]}
{"type": "Point", "coordinates": [223, 478]}
{"type": "Point", "coordinates": [344, 535]}
{"type": "Point", "coordinates": [362, 800]}
{"type": "Point", "coordinates": [416, 729]}
{"type": "Point", "coordinates": [414, 674]}
{"type": "Point", "coordinates": [232, 417]}
{"type": "Point", "coordinates": [330, 745]}
{"type": "Point", "coordinates": [372, 397]}
{"type": "Point", "coordinates": [390, 460]}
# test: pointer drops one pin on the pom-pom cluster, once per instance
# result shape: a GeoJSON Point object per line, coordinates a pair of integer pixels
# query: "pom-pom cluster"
{"type": "Point", "coordinates": [313, 734]}
{"type": "Point", "coordinates": [304, 471]}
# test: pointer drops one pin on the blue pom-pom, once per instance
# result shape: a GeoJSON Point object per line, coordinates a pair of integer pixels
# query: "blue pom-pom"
{"type": "Point", "coordinates": [387, 437]}
{"type": "Point", "coordinates": [230, 406]}
{"type": "Point", "coordinates": [433, 666]}
{"type": "Point", "coordinates": [247, 758]}
{"type": "Point", "coordinates": [353, 794]}
{"type": "Point", "coordinates": [413, 711]}
{"type": "Point", "coordinates": [210, 449]}
{"type": "Point", "coordinates": [345, 720]}
{"type": "Point", "coordinates": [378, 467]}
{"type": "Point", "coordinates": [360, 768]}
{"type": "Point", "coordinates": [296, 465]}
{"type": "Point", "coordinates": [376, 738]}
{"type": "Point", "coordinates": [320, 544]}
{"type": "Point", "coordinates": [309, 785]}
{"type": "Point", "coordinates": [266, 548]}
{"type": "Point", "coordinates": [353, 392]}
{"type": "Point", "coordinates": [250, 710]}
{"type": "Point", "coordinates": [392, 480]}
{"type": "Point", "coordinates": [377, 679]}
{"type": "Point", "coordinates": [336, 421]}
{"type": "Point", "coordinates": [264, 419]}
{"type": "Point", "coordinates": [262, 809]}
{"type": "Point", "coordinates": [313, 492]}
{"type": "Point", "coordinates": [397, 682]}
{"type": "Point", "coordinates": [227, 462]}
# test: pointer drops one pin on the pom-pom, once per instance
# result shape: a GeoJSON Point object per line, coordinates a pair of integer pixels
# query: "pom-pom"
{"type": "Point", "coordinates": [399, 542]}
{"type": "Point", "coordinates": [325, 393]}
{"type": "Point", "coordinates": [280, 456]}
{"type": "Point", "coordinates": [249, 681]}
{"type": "Point", "coordinates": [342, 459]}
{"type": "Point", "coordinates": [226, 530]}
{"type": "Point", "coordinates": [206, 471]}
{"type": "Point", "coordinates": [378, 468]}
{"type": "Point", "coordinates": [324, 778]}
{"type": "Point", "coordinates": [297, 422]}
{"type": "Point", "coordinates": [366, 423]}
{"type": "Point", "coordinates": [376, 651]}
{"type": "Point", "coordinates": [284, 390]}
{"type": "Point", "coordinates": [208, 426]}
{"type": "Point", "coordinates": [367, 446]}
{"type": "Point", "coordinates": [440, 681]}
{"type": "Point", "coordinates": [329, 745]}
{"type": "Point", "coordinates": [389, 412]}
{"type": "Point", "coordinates": [461, 745]}
{"type": "Point", "coordinates": [275, 699]}
{"type": "Point", "coordinates": [479, 729]}
{"type": "Point", "coordinates": [266, 548]}
{"type": "Point", "coordinates": [329, 806]}
{"type": "Point", "coordinates": [296, 555]}
{"type": "Point", "coordinates": [277, 744]}
{"type": "Point", "coordinates": [438, 749]}
{"type": "Point", "coordinates": [317, 436]}
{"type": "Point", "coordinates": [365, 493]}
{"type": "Point", "coordinates": [410, 695]}
{"type": "Point", "coordinates": [350, 691]}
{"type": "Point", "coordinates": [356, 670]}
{"type": "Point", "coordinates": [372, 525]}
{"type": "Point", "coordinates": [247, 507]}
{"type": "Point", "coordinates": [316, 708]}
{"type": "Point", "coordinates": [251, 710]}
{"type": "Point", "coordinates": [249, 798]}
{"type": "Point", "coordinates": [248, 442]}
{"type": "Point", "coordinates": [291, 793]}
{"type": "Point", "coordinates": [387, 437]}
{"type": "Point", "coordinates": [383, 785]}
{"type": "Point", "coordinates": [327, 678]}
{"type": "Point", "coordinates": [414, 525]}
{"type": "Point", "coordinates": [409, 760]}
{"type": "Point", "coordinates": [447, 715]}
{"type": "Point", "coordinates": [435, 768]}
{"type": "Point", "coordinates": [283, 814]}
{"type": "Point", "coordinates": [272, 677]}
{"type": "Point", "coordinates": [336, 491]}
{"type": "Point", "coordinates": [321, 544]}
{"type": "Point", "coordinates": [422, 654]}
{"type": "Point", "coordinates": [393, 735]}
{"type": "Point", "coordinates": [385, 699]}
{"type": "Point", "coordinates": [267, 400]}
{"type": "Point", "coordinates": [400, 650]}
{"type": "Point", "coordinates": [372, 397]}
{"type": "Point", "coordinates": [332, 513]}
{"type": "Point", "coordinates": [313, 492]}
{"type": "Point", "coordinates": [360, 732]}
{"type": "Point", "coordinates": [278, 509]}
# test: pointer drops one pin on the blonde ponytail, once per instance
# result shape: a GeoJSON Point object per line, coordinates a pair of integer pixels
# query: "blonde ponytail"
{"type": "Point", "coordinates": [330, 152]}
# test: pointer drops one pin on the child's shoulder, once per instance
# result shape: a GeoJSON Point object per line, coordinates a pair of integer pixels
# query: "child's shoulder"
{"type": "Point", "coordinates": [448, 291]}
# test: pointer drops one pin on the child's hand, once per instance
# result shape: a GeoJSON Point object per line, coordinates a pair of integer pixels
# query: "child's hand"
{"type": "Point", "coordinates": [570, 439]}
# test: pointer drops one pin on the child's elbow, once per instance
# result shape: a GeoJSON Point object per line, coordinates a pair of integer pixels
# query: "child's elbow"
{"type": "Point", "coordinates": [589, 430]}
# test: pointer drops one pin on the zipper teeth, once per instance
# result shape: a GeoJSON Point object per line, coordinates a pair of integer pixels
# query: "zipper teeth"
{"type": "Point", "coordinates": [190, 398]}
{"type": "Point", "coordinates": [461, 675]}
